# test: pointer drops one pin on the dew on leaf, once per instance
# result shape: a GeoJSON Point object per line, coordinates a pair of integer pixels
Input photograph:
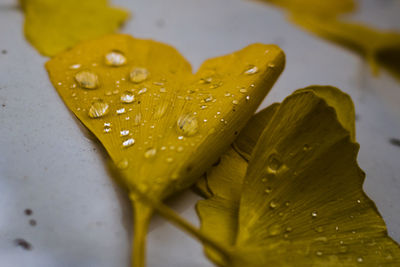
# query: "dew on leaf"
{"type": "Point", "coordinates": [98, 109]}
{"type": "Point", "coordinates": [121, 111]}
{"type": "Point", "coordinates": [274, 163]}
{"type": "Point", "coordinates": [127, 97]}
{"type": "Point", "coordinates": [251, 70]}
{"type": "Point", "coordinates": [187, 124]}
{"type": "Point", "coordinates": [87, 79]}
{"type": "Point", "coordinates": [138, 75]}
{"type": "Point", "coordinates": [128, 142]}
{"type": "Point", "coordinates": [124, 132]}
{"type": "Point", "coordinates": [123, 164]}
{"type": "Point", "coordinates": [274, 230]}
{"type": "Point", "coordinates": [150, 152]}
{"type": "Point", "coordinates": [115, 58]}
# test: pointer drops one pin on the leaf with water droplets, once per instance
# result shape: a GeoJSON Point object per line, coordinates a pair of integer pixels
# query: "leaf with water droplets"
{"type": "Point", "coordinates": [297, 200]}
{"type": "Point", "coordinates": [154, 128]}
{"type": "Point", "coordinates": [53, 26]}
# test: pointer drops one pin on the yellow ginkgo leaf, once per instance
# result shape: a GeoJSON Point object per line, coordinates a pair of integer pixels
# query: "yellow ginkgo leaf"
{"type": "Point", "coordinates": [326, 8]}
{"type": "Point", "coordinates": [298, 201]}
{"type": "Point", "coordinates": [53, 26]}
{"type": "Point", "coordinates": [162, 125]}
{"type": "Point", "coordinates": [379, 48]}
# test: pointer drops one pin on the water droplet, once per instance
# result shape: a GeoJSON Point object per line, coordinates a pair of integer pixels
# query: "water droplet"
{"type": "Point", "coordinates": [251, 70]}
{"type": "Point", "coordinates": [127, 97]}
{"type": "Point", "coordinates": [215, 85]}
{"type": "Point", "coordinates": [268, 190]}
{"type": "Point", "coordinates": [314, 214]}
{"type": "Point", "coordinates": [128, 142]}
{"type": "Point", "coordinates": [87, 79]}
{"type": "Point", "coordinates": [247, 98]}
{"type": "Point", "coordinates": [208, 98]}
{"type": "Point", "coordinates": [163, 90]}
{"type": "Point", "coordinates": [360, 259]}
{"type": "Point", "coordinates": [180, 148]}
{"type": "Point", "coordinates": [124, 132]}
{"type": "Point", "coordinates": [235, 102]}
{"type": "Point", "coordinates": [169, 160]}
{"type": "Point", "coordinates": [142, 91]}
{"type": "Point", "coordinates": [271, 65]}
{"type": "Point", "coordinates": [180, 137]}
{"type": "Point", "coordinates": [115, 58]}
{"type": "Point", "coordinates": [243, 90]}
{"type": "Point", "coordinates": [98, 109]}
{"type": "Point", "coordinates": [75, 66]}
{"type": "Point", "coordinates": [274, 230]}
{"type": "Point", "coordinates": [139, 75]}
{"type": "Point", "coordinates": [358, 201]}
{"type": "Point", "coordinates": [274, 164]}
{"type": "Point", "coordinates": [150, 152]}
{"type": "Point", "coordinates": [206, 80]}
{"type": "Point", "coordinates": [273, 204]}
{"type": "Point", "coordinates": [123, 164]}
{"type": "Point", "coordinates": [107, 129]}
{"type": "Point", "coordinates": [121, 111]}
{"type": "Point", "coordinates": [319, 253]}
{"type": "Point", "coordinates": [203, 106]}
{"type": "Point", "coordinates": [187, 125]}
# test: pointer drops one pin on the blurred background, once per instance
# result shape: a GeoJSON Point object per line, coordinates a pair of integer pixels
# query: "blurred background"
{"type": "Point", "coordinates": [58, 205]}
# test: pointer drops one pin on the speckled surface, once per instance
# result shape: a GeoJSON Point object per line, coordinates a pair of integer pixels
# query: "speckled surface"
{"type": "Point", "coordinates": [49, 164]}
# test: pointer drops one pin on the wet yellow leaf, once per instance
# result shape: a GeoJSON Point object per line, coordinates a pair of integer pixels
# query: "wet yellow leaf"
{"type": "Point", "coordinates": [53, 26]}
{"type": "Point", "coordinates": [380, 48]}
{"type": "Point", "coordinates": [298, 200]}
{"type": "Point", "coordinates": [161, 125]}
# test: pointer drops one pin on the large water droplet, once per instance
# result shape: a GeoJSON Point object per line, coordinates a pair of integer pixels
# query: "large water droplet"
{"type": "Point", "coordinates": [187, 124]}
{"type": "Point", "coordinates": [127, 97]}
{"type": "Point", "coordinates": [87, 79]}
{"type": "Point", "coordinates": [128, 142]}
{"type": "Point", "coordinates": [98, 109]}
{"type": "Point", "coordinates": [314, 214]}
{"type": "Point", "coordinates": [251, 70]}
{"type": "Point", "coordinates": [150, 152]}
{"type": "Point", "coordinates": [274, 163]}
{"type": "Point", "coordinates": [138, 75]}
{"type": "Point", "coordinates": [115, 58]}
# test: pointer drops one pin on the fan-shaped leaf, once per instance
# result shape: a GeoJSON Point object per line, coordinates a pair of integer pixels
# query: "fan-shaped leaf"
{"type": "Point", "coordinates": [161, 125]}
{"type": "Point", "coordinates": [298, 201]}
{"type": "Point", "coordinates": [53, 26]}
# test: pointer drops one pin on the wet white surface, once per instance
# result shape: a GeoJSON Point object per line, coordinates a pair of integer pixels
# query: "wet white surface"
{"type": "Point", "coordinates": [50, 165]}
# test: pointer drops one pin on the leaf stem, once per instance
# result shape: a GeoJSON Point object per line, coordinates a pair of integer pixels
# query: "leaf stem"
{"type": "Point", "coordinates": [178, 221]}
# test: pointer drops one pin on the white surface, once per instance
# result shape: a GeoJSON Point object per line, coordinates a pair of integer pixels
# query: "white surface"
{"type": "Point", "coordinates": [50, 165]}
